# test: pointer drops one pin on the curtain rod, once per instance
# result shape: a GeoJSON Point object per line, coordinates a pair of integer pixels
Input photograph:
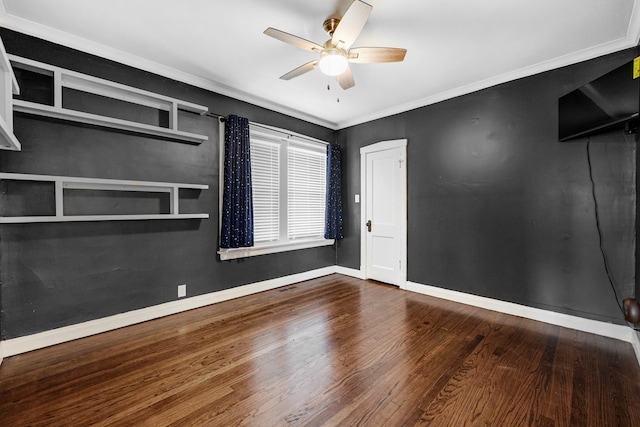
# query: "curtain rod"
{"type": "Point", "coordinates": [273, 128]}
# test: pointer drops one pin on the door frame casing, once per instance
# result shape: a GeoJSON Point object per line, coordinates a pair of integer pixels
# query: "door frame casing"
{"type": "Point", "coordinates": [372, 148]}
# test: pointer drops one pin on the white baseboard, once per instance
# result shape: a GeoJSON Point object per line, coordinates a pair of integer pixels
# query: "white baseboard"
{"type": "Point", "coordinates": [352, 272]}
{"type": "Point", "coordinates": [619, 332]}
{"type": "Point", "coordinates": [27, 343]}
{"type": "Point", "coordinates": [635, 342]}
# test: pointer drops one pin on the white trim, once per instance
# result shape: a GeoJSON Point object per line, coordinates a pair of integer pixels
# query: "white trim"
{"type": "Point", "coordinates": [283, 134]}
{"type": "Point", "coordinates": [68, 333]}
{"type": "Point", "coordinates": [635, 343]}
{"type": "Point", "coordinates": [351, 272]}
{"type": "Point", "coordinates": [44, 339]}
{"type": "Point", "coordinates": [383, 145]}
{"type": "Point", "coordinates": [553, 64]}
{"type": "Point", "coordinates": [619, 332]}
{"type": "Point", "coordinates": [368, 149]}
{"type": "Point", "coordinates": [234, 253]}
{"type": "Point", "coordinates": [56, 36]}
{"type": "Point", "coordinates": [78, 43]}
{"type": "Point", "coordinates": [363, 212]}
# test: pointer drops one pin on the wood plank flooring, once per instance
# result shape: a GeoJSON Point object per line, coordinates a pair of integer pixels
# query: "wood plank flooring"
{"type": "Point", "coordinates": [330, 351]}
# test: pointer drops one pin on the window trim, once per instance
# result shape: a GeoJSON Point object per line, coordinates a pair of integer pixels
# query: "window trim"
{"type": "Point", "coordinates": [271, 247]}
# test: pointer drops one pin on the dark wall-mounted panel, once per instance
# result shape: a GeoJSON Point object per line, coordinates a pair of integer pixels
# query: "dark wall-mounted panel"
{"type": "Point", "coordinates": [604, 104]}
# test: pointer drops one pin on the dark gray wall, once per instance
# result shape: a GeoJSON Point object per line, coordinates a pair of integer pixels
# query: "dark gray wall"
{"type": "Point", "coordinates": [58, 274]}
{"type": "Point", "coordinates": [498, 207]}
{"type": "Point", "coordinates": [637, 290]}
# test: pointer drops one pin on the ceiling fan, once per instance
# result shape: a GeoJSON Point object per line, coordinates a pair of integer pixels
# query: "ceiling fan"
{"type": "Point", "coordinates": [336, 53]}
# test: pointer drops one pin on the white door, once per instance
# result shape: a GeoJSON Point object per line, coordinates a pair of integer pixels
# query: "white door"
{"type": "Point", "coordinates": [384, 211]}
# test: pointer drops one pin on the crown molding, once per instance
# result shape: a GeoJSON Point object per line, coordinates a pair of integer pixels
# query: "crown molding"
{"type": "Point", "coordinates": [631, 40]}
{"type": "Point", "coordinates": [28, 27]}
{"type": "Point", "coordinates": [65, 39]}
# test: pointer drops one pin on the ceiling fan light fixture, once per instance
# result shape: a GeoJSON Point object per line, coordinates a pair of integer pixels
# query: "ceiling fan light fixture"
{"type": "Point", "coordinates": [333, 62]}
{"type": "Point", "coordinates": [336, 54]}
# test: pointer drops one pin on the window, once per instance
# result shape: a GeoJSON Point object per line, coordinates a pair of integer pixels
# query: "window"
{"type": "Point", "coordinates": [288, 175]}
{"type": "Point", "coordinates": [306, 186]}
{"type": "Point", "coordinates": [265, 177]}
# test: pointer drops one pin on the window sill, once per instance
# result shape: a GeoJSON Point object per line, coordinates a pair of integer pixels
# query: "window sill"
{"type": "Point", "coordinates": [234, 253]}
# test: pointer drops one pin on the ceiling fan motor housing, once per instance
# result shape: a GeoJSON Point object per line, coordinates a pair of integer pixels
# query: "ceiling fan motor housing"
{"type": "Point", "coordinates": [330, 25]}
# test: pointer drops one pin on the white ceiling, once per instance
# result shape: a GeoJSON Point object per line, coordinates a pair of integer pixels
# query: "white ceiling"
{"type": "Point", "coordinates": [453, 46]}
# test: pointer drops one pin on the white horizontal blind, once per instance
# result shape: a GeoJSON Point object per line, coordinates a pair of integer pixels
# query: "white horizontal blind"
{"type": "Point", "coordinates": [265, 177]}
{"type": "Point", "coordinates": [306, 191]}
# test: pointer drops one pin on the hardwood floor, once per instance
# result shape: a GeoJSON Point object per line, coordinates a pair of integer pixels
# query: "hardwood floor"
{"type": "Point", "coordinates": [330, 351]}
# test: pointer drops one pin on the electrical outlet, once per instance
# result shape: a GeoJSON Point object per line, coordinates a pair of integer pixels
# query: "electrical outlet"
{"type": "Point", "coordinates": [182, 291]}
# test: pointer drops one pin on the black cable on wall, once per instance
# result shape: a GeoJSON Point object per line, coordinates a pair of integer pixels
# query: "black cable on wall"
{"type": "Point", "coordinates": [599, 228]}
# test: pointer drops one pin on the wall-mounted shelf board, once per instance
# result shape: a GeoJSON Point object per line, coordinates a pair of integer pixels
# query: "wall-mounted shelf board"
{"type": "Point", "coordinates": [94, 119]}
{"type": "Point", "coordinates": [77, 183]}
{"type": "Point", "coordinates": [8, 87]}
{"type": "Point", "coordinates": [88, 218]}
{"type": "Point", "coordinates": [63, 78]}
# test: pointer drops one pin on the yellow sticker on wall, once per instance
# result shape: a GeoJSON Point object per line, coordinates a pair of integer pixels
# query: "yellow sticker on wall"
{"type": "Point", "coordinates": [636, 67]}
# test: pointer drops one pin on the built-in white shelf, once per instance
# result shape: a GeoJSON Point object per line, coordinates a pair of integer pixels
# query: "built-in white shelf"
{"type": "Point", "coordinates": [63, 78]}
{"type": "Point", "coordinates": [88, 218]}
{"type": "Point", "coordinates": [8, 87]}
{"type": "Point", "coordinates": [77, 183]}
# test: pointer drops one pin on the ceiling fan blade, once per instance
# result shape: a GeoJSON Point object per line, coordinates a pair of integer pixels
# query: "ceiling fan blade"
{"type": "Point", "coordinates": [367, 55]}
{"type": "Point", "coordinates": [345, 80]}
{"type": "Point", "coordinates": [305, 68]}
{"type": "Point", "coordinates": [351, 24]}
{"type": "Point", "coordinates": [293, 40]}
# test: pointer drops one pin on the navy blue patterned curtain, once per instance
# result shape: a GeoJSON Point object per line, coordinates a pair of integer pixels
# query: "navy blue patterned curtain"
{"type": "Point", "coordinates": [333, 208]}
{"type": "Point", "coordinates": [237, 198]}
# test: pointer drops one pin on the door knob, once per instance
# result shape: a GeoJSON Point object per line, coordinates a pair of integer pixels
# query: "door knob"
{"type": "Point", "coordinates": [368, 224]}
